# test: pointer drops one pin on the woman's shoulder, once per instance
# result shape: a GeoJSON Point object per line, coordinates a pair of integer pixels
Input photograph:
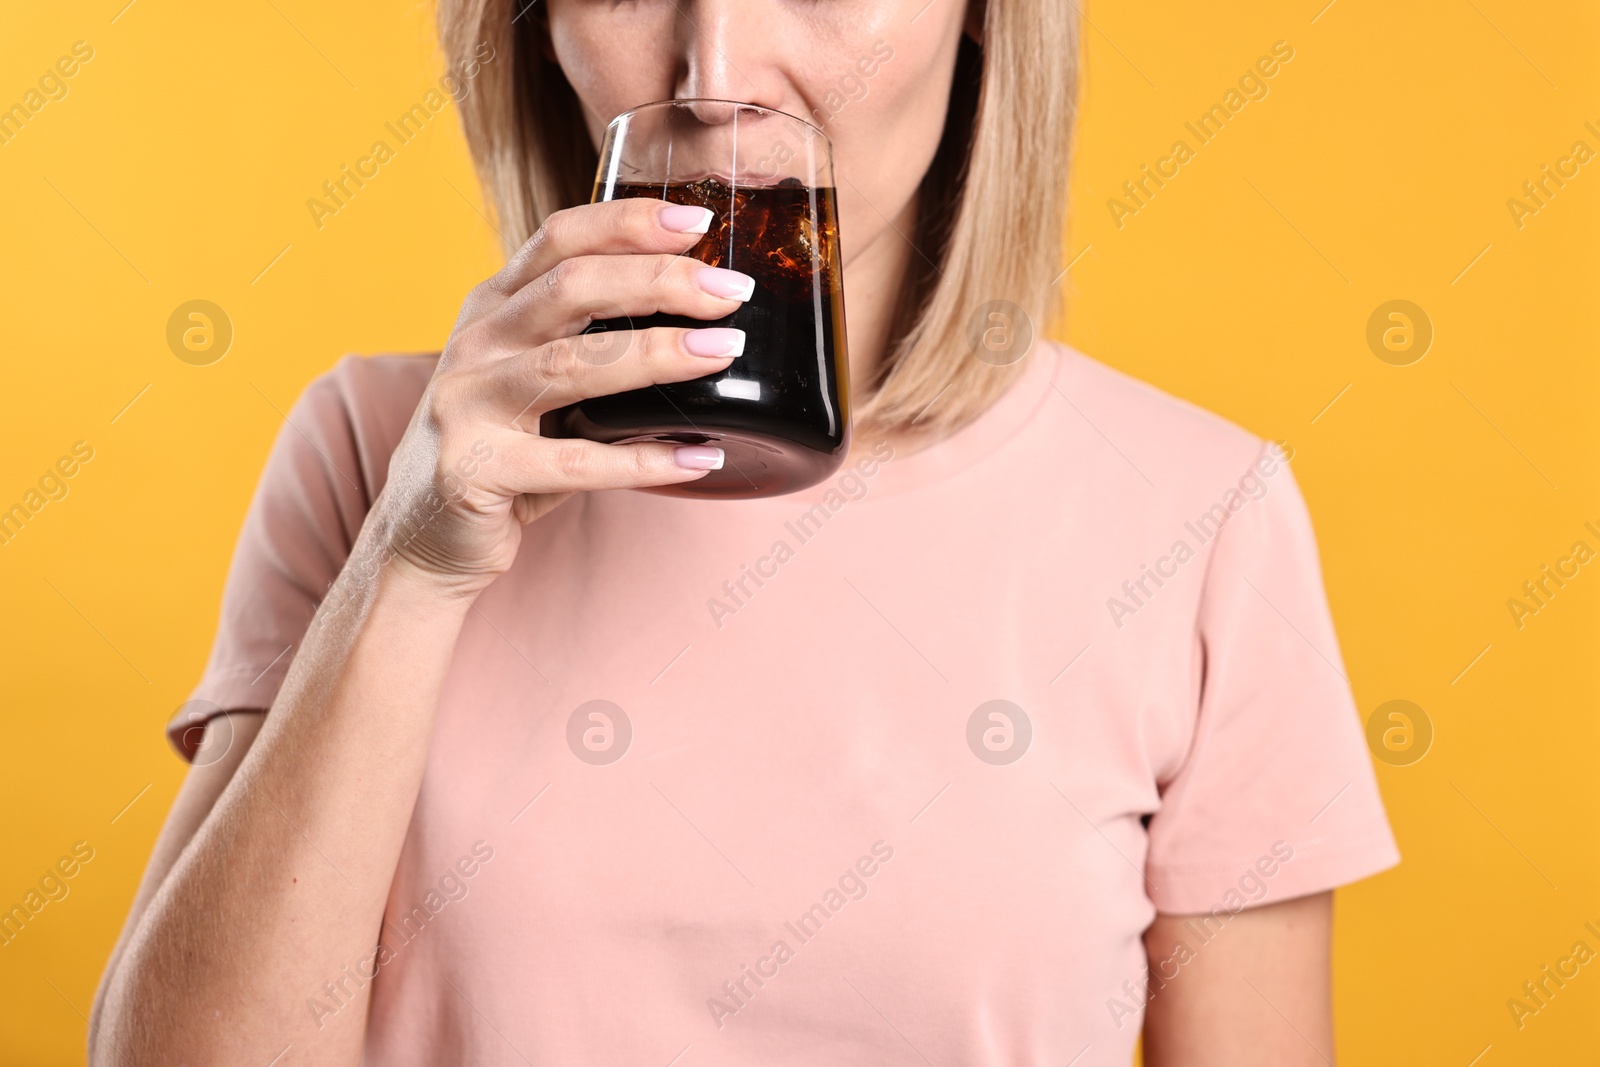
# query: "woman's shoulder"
{"type": "Point", "coordinates": [360, 407]}
{"type": "Point", "coordinates": [1164, 437]}
{"type": "Point", "coordinates": [376, 386]}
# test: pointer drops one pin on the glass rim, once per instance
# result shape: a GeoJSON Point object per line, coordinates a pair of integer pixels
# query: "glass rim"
{"type": "Point", "coordinates": [742, 104]}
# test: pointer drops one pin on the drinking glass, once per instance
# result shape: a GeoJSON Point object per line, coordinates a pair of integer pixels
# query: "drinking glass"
{"type": "Point", "coordinates": [781, 411]}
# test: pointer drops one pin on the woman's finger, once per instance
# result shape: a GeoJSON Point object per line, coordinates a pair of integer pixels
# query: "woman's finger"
{"type": "Point", "coordinates": [525, 464]}
{"type": "Point", "coordinates": [614, 227]}
{"type": "Point", "coordinates": [600, 364]}
{"type": "Point", "coordinates": [578, 291]}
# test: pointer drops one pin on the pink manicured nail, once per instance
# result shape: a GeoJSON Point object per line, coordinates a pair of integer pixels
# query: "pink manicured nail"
{"type": "Point", "coordinates": [686, 218]}
{"type": "Point", "coordinates": [716, 342]}
{"type": "Point", "coordinates": [698, 457]}
{"type": "Point", "coordinates": [726, 283]}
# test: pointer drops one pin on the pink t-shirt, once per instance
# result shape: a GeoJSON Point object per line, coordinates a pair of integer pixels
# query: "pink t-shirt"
{"type": "Point", "coordinates": [892, 771]}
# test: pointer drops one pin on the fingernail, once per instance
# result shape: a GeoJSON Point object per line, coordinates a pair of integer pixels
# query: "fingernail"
{"type": "Point", "coordinates": [698, 457]}
{"type": "Point", "coordinates": [714, 342]}
{"type": "Point", "coordinates": [686, 218]}
{"type": "Point", "coordinates": [729, 284]}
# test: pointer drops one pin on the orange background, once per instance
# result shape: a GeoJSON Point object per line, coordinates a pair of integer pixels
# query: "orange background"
{"type": "Point", "coordinates": [1378, 167]}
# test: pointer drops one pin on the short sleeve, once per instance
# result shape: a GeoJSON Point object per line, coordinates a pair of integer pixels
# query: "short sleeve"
{"type": "Point", "coordinates": [325, 468]}
{"type": "Point", "coordinates": [1276, 797]}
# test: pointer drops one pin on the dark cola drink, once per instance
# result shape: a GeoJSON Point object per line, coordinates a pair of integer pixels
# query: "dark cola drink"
{"type": "Point", "coordinates": [781, 411]}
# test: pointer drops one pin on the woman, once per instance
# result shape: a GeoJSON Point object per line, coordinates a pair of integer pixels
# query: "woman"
{"type": "Point", "coordinates": [1023, 734]}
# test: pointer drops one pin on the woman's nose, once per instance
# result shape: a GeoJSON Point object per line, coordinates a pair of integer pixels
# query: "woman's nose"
{"type": "Point", "coordinates": [730, 51]}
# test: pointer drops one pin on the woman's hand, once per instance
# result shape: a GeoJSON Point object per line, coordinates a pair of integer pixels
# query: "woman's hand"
{"type": "Point", "coordinates": [471, 468]}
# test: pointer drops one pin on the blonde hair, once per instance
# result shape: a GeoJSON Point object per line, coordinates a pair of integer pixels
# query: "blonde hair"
{"type": "Point", "coordinates": [991, 208]}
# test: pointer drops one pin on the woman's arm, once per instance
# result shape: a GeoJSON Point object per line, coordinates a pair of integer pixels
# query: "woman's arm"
{"type": "Point", "coordinates": [216, 760]}
{"type": "Point", "coordinates": [280, 869]}
{"type": "Point", "coordinates": [1257, 994]}
{"type": "Point", "coordinates": [284, 882]}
